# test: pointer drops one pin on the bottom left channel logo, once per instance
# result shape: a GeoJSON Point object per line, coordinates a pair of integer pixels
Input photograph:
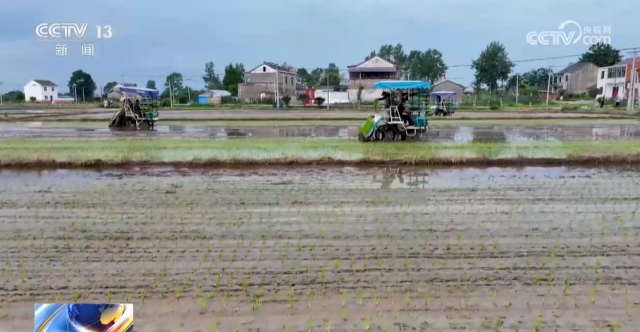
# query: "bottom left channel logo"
{"type": "Point", "coordinates": [83, 317]}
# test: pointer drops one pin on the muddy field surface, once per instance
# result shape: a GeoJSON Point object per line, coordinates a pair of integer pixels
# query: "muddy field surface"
{"type": "Point", "coordinates": [435, 133]}
{"type": "Point", "coordinates": [338, 249]}
{"type": "Point", "coordinates": [195, 115]}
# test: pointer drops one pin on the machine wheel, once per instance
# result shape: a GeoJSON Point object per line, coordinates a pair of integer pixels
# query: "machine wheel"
{"type": "Point", "coordinates": [403, 137]}
{"type": "Point", "coordinates": [379, 135]}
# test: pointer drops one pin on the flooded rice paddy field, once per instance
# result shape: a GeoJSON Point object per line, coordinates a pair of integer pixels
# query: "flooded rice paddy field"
{"type": "Point", "coordinates": [336, 249]}
{"type": "Point", "coordinates": [522, 132]}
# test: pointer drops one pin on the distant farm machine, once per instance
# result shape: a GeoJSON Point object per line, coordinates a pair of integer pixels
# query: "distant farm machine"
{"type": "Point", "coordinates": [139, 106]}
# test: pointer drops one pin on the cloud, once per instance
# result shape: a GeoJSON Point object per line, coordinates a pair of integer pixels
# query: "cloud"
{"type": "Point", "coordinates": [155, 38]}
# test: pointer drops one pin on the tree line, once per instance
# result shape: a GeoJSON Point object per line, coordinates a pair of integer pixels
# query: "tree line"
{"type": "Point", "coordinates": [493, 71]}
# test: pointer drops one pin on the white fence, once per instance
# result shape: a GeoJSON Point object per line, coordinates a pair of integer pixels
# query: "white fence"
{"type": "Point", "coordinates": [348, 97]}
{"type": "Point", "coordinates": [333, 97]}
{"type": "Point", "coordinates": [368, 95]}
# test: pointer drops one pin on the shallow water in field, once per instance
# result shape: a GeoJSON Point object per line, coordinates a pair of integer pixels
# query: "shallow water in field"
{"type": "Point", "coordinates": [389, 177]}
{"type": "Point", "coordinates": [435, 133]}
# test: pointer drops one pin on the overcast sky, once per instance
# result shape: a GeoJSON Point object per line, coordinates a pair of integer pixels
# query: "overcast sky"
{"type": "Point", "coordinates": [153, 38]}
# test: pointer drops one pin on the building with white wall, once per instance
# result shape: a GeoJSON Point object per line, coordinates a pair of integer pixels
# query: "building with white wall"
{"type": "Point", "coordinates": [366, 74]}
{"type": "Point", "coordinates": [615, 81]}
{"type": "Point", "coordinates": [42, 90]}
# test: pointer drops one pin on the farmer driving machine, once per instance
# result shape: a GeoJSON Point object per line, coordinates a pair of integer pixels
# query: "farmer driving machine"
{"type": "Point", "coordinates": [390, 124]}
{"type": "Point", "coordinates": [139, 105]}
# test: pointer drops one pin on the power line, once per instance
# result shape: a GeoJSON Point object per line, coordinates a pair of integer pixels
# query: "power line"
{"type": "Point", "coordinates": [548, 58]}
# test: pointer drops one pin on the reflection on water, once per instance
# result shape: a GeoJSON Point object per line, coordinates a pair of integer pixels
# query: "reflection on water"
{"type": "Point", "coordinates": [507, 134]}
{"type": "Point", "coordinates": [392, 178]}
{"type": "Point", "coordinates": [435, 133]}
{"type": "Point", "coordinates": [460, 177]}
{"type": "Point", "coordinates": [499, 134]}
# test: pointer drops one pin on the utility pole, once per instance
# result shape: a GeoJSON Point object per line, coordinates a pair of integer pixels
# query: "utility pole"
{"type": "Point", "coordinates": [548, 86]}
{"type": "Point", "coordinates": [1, 94]}
{"type": "Point", "coordinates": [277, 81]}
{"type": "Point", "coordinates": [170, 94]}
{"type": "Point", "coordinates": [189, 89]}
{"type": "Point", "coordinates": [75, 90]}
{"type": "Point", "coordinates": [122, 79]}
{"type": "Point", "coordinates": [328, 90]}
{"type": "Point", "coordinates": [517, 87]}
{"type": "Point", "coordinates": [631, 102]}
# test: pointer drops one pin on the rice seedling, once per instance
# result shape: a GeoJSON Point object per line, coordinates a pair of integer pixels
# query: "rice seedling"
{"type": "Point", "coordinates": [216, 326]}
{"type": "Point", "coordinates": [538, 324]}
{"type": "Point", "coordinates": [75, 297]}
{"type": "Point", "coordinates": [309, 324]}
{"type": "Point", "coordinates": [367, 323]}
{"type": "Point", "coordinates": [204, 304]}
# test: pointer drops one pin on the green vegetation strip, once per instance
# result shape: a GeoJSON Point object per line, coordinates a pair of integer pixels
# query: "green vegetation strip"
{"type": "Point", "coordinates": [114, 152]}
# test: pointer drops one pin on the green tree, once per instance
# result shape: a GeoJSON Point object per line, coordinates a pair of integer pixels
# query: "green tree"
{"type": "Point", "coordinates": [394, 54]}
{"type": "Point", "coordinates": [385, 52]}
{"type": "Point", "coordinates": [371, 55]}
{"type": "Point", "coordinates": [15, 95]}
{"type": "Point", "coordinates": [108, 88]}
{"type": "Point", "coordinates": [535, 77]}
{"type": "Point", "coordinates": [185, 95]}
{"type": "Point", "coordinates": [331, 76]}
{"type": "Point", "coordinates": [302, 98]}
{"type": "Point", "coordinates": [399, 58]}
{"type": "Point", "coordinates": [601, 55]}
{"type": "Point", "coordinates": [529, 91]}
{"type": "Point", "coordinates": [304, 77]}
{"type": "Point", "coordinates": [233, 75]}
{"type": "Point", "coordinates": [412, 69]}
{"type": "Point", "coordinates": [415, 65]}
{"type": "Point", "coordinates": [176, 82]}
{"type": "Point", "coordinates": [151, 84]}
{"type": "Point", "coordinates": [425, 66]}
{"type": "Point", "coordinates": [81, 81]}
{"type": "Point", "coordinates": [315, 76]}
{"type": "Point", "coordinates": [492, 65]}
{"type": "Point", "coordinates": [477, 86]}
{"type": "Point", "coordinates": [211, 79]}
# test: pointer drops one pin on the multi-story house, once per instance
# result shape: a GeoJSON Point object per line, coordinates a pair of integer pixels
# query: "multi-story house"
{"type": "Point", "coordinates": [615, 81]}
{"type": "Point", "coordinates": [368, 73]}
{"type": "Point", "coordinates": [577, 78]}
{"type": "Point", "coordinates": [262, 80]}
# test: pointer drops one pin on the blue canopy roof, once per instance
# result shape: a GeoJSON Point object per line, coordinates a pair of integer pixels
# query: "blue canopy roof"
{"type": "Point", "coordinates": [402, 85]}
{"type": "Point", "coordinates": [139, 91]}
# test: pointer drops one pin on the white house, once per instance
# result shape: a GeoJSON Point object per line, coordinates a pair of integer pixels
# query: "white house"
{"type": "Point", "coordinates": [366, 74]}
{"type": "Point", "coordinates": [42, 90]}
{"type": "Point", "coordinates": [615, 81]}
